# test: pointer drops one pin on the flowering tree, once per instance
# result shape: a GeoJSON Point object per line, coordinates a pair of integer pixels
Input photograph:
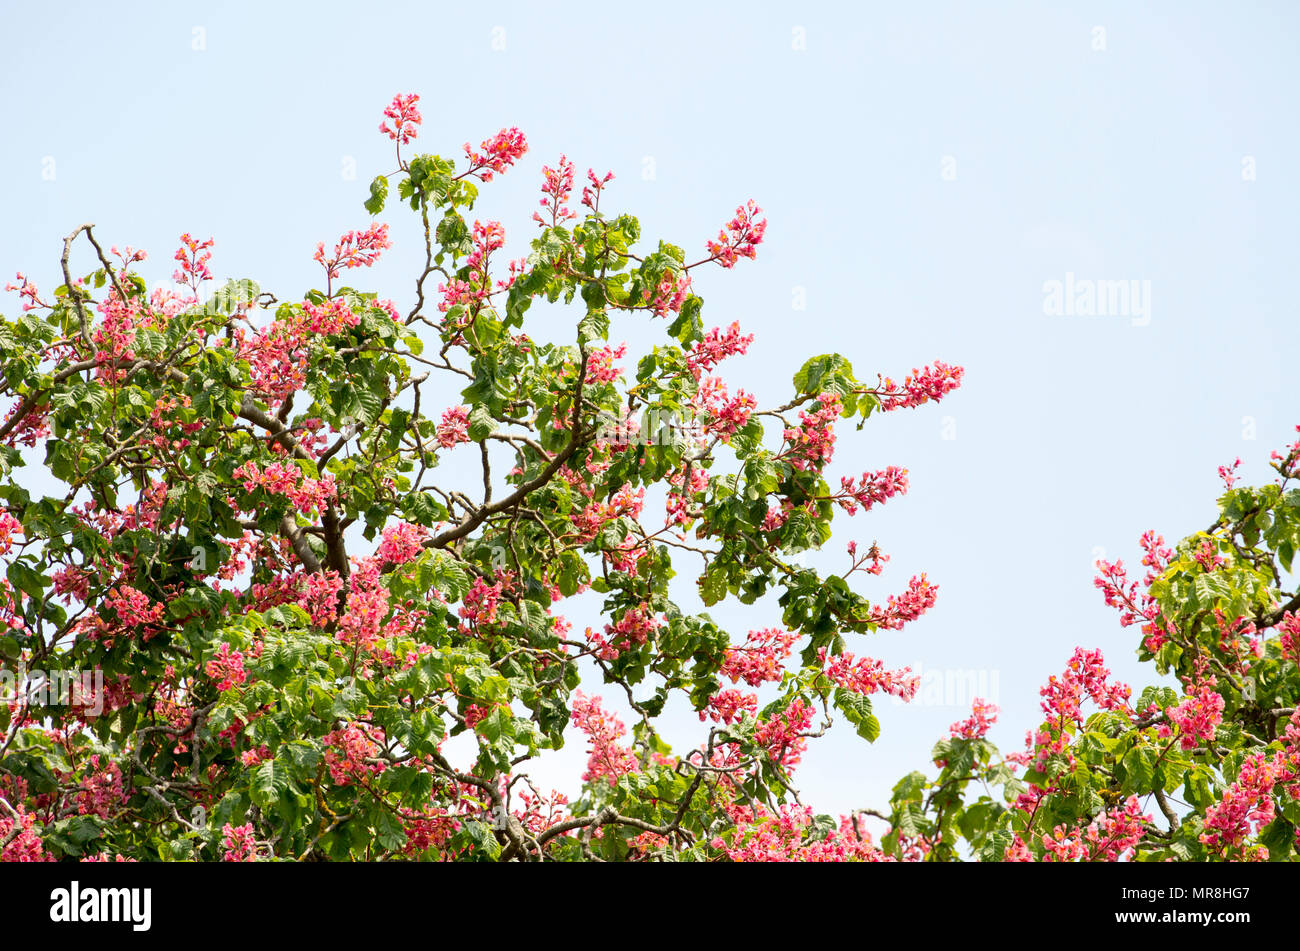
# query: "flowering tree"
{"type": "Point", "coordinates": [259, 616]}
{"type": "Point", "coordinates": [1211, 771]}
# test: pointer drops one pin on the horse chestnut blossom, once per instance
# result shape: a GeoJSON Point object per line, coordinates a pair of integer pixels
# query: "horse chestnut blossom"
{"type": "Point", "coordinates": [344, 642]}
{"type": "Point", "coordinates": [405, 116]}
{"type": "Point", "coordinates": [498, 153]}
{"type": "Point", "coordinates": [556, 187]}
{"type": "Point", "coordinates": [741, 236]}
{"type": "Point", "coordinates": [354, 249]}
{"type": "Point", "coordinates": [983, 715]}
{"type": "Point", "coordinates": [919, 387]}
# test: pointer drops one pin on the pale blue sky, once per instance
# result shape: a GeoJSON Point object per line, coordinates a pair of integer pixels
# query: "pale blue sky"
{"type": "Point", "coordinates": [1072, 433]}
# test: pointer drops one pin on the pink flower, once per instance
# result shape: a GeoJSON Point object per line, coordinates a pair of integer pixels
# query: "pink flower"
{"type": "Point", "coordinates": [355, 249]}
{"type": "Point", "coordinates": [872, 488]}
{"type": "Point", "coordinates": [9, 527]}
{"type": "Point", "coordinates": [1197, 716]}
{"type": "Point", "coordinates": [319, 596]}
{"type": "Point", "coordinates": [366, 607]}
{"type": "Point", "coordinates": [983, 715]}
{"type": "Point", "coordinates": [454, 427]}
{"type": "Point", "coordinates": [724, 414]}
{"type": "Point", "coordinates": [499, 153]}
{"type": "Point", "coordinates": [557, 185]}
{"type": "Point", "coordinates": [1229, 474]}
{"type": "Point", "coordinates": [479, 606]}
{"type": "Point", "coordinates": [1246, 806]}
{"type": "Point", "coordinates": [812, 444]}
{"type": "Point", "coordinates": [726, 706]}
{"type": "Point", "coordinates": [401, 543]}
{"type": "Point", "coordinates": [716, 346]}
{"type": "Point", "coordinates": [782, 735]}
{"type": "Point", "coordinates": [239, 843]}
{"type": "Point", "coordinates": [741, 238]}
{"type": "Point", "coordinates": [920, 386]}
{"type": "Point", "coordinates": [349, 751]}
{"type": "Point", "coordinates": [591, 192]}
{"type": "Point", "coordinates": [759, 659]}
{"type": "Point", "coordinates": [910, 605]}
{"type": "Point", "coordinates": [405, 118]}
{"type": "Point", "coordinates": [226, 667]}
{"type": "Point", "coordinates": [194, 257]}
{"type": "Point", "coordinates": [669, 295]}
{"type": "Point", "coordinates": [27, 289]}
{"type": "Point", "coordinates": [606, 758]}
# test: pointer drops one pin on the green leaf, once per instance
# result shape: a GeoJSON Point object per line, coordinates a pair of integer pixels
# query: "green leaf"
{"type": "Point", "coordinates": [268, 781]}
{"type": "Point", "coordinates": [857, 710]}
{"type": "Point", "coordinates": [828, 372]}
{"type": "Point", "coordinates": [378, 195]}
{"type": "Point", "coordinates": [481, 423]}
{"type": "Point", "coordinates": [390, 833]}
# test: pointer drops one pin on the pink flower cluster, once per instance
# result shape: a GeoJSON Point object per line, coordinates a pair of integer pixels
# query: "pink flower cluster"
{"type": "Point", "coordinates": [600, 365]}
{"type": "Point", "coordinates": [1247, 805]}
{"type": "Point", "coordinates": [487, 237]}
{"type": "Point", "coordinates": [762, 836]}
{"type": "Point", "coordinates": [479, 607]}
{"type": "Point", "coordinates": [348, 752]}
{"type": "Point", "coordinates": [1109, 837]}
{"type": "Point", "coordinates": [811, 445]}
{"type": "Point", "coordinates": [920, 386]}
{"type": "Point", "coordinates": [591, 192]}
{"type": "Point", "coordinates": [401, 543]}
{"type": "Point", "coordinates": [908, 606]}
{"type": "Point", "coordinates": [557, 186]}
{"type": "Point", "coordinates": [133, 607]}
{"type": "Point", "coordinates": [226, 667]}
{"type": "Point", "coordinates": [499, 153]}
{"type": "Point", "coordinates": [726, 706]}
{"type": "Point", "coordinates": [319, 596]}
{"type": "Point", "coordinates": [782, 735]}
{"type": "Point", "coordinates": [669, 294]}
{"type": "Point", "coordinates": [723, 413]}
{"type": "Point", "coordinates": [1122, 594]}
{"type": "Point", "coordinates": [759, 659]}
{"type": "Point", "coordinates": [1229, 474]}
{"type": "Point", "coordinates": [239, 843]}
{"type": "Point", "coordinates": [454, 427]}
{"type": "Point", "coordinates": [606, 757]}
{"type": "Point", "coordinates": [872, 488]}
{"type": "Point", "coordinates": [867, 675]}
{"type": "Point", "coordinates": [1085, 676]}
{"type": "Point", "coordinates": [634, 628]}
{"type": "Point", "coordinates": [307, 495]}
{"type": "Point", "coordinates": [193, 256]}
{"type": "Point", "coordinates": [366, 607]}
{"type": "Point", "coordinates": [26, 845]}
{"type": "Point", "coordinates": [740, 238]}
{"type": "Point", "coordinates": [27, 289]}
{"type": "Point", "coordinates": [983, 715]}
{"type": "Point", "coordinates": [355, 249]}
{"type": "Point", "coordinates": [1197, 716]}
{"type": "Point", "coordinates": [405, 118]}
{"type": "Point", "coordinates": [101, 788]}
{"type": "Point", "coordinates": [9, 527]}
{"type": "Point", "coordinates": [717, 345]}
{"type": "Point", "coordinates": [681, 492]}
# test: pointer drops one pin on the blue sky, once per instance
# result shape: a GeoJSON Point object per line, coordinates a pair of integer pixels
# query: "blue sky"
{"type": "Point", "coordinates": [925, 168]}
